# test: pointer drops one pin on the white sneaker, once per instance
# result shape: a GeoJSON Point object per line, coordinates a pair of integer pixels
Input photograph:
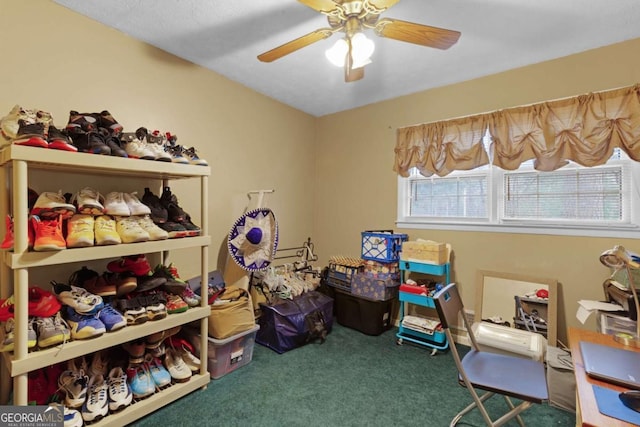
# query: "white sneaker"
{"type": "Point", "coordinates": [72, 418]}
{"type": "Point", "coordinates": [99, 364]}
{"type": "Point", "coordinates": [50, 205]}
{"type": "Point", "coordinates": [136, 207]}
{"type": "Point", "coordinates": [175, 365]}
{"type": "Point", "coordinates": [155, 232]}
{"type": "Point", "coordinates": [115, 204]}
{"type": "Point", "coordinates": [192, 156]}
{"type": "Point", "coordinates": [130, 231]}
{"type": "Point", "coordinates": [74, 385]}
{"type": "Point", "coordinates": [136, 148]}
{"type": "Point", "coordinates": [97, 404]}
{"type": "Point", "coordinates": [190, 359]}
{"type": "Point", "coordinates": [80, 231]}
{"type": "Point", "coordinates": [119, 391]}
{"type": "Point", "coordinates": [9, 124]}
{"type": "Point", "coordinates": [105, 231]}
{"type": "Point", "coordinates": [156, 143]}
{"type": "Point", "coordinates": [88, 201]}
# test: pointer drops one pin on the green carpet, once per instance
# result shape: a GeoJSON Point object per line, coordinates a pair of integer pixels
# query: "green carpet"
{"type": "Point", "coordinates": [350, 380]}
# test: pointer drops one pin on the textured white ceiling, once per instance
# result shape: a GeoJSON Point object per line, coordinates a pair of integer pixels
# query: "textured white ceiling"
{"type": "Point", "coordinates": [227, 35]}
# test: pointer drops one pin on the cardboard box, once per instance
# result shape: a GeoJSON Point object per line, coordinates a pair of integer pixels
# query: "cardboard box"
{"type": "Point", "coordinates": [424, 251]}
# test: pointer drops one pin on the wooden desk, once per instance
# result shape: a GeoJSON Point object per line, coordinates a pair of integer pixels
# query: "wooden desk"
{"type": "Point", "coordinates": [587, 413]}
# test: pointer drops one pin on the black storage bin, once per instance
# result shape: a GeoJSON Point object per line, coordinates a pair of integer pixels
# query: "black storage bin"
{"type": "Point", "coordinates": [371, 317]}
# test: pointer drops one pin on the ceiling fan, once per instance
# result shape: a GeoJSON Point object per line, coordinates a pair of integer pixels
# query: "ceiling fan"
{"type": "Point", "coordinates": [352, 17]}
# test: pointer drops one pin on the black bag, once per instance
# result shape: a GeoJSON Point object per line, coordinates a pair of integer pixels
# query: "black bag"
{"type": "Point", "coordinates": [288, 324]}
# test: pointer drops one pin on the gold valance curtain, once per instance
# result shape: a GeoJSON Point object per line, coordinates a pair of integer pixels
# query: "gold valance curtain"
{"type": "Point", "coordinates": [584, 129]}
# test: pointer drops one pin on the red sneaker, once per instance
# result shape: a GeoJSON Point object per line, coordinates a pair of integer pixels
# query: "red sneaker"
{"type": "Point", "coordinates": [42, 303]}
{"type": "Point", "coordinates": [7, 243]}
{"type": "Point", "coordinates": [135, 264]}
{"type": "Point", "coordinates": [6, 309]}
{"type": "Point", "coordinates": [48, 234]}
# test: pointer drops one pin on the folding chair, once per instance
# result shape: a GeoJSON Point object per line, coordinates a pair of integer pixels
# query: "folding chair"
{"type": "Point", "coordinates": [496, 374]}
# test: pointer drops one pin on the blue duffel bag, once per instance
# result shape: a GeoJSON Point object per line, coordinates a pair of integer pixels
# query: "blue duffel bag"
{"type": "Point", "coordinates": [287, 324]}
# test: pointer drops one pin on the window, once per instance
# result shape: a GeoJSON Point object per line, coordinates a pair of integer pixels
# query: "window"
{"type": "Point", "coordinates": [575, 200]}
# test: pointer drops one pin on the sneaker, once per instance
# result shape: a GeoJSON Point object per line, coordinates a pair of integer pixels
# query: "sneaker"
{"type": "Point", "coordinates": [124, 283]}
{"type": "Point", "coordinates": [155, 232]}
{"type": "Point", "coordinates": [52, 331]}
{"type": "Point", "coordinates": [154, 303]}
{"type": "Point", "coordinates": [189, 359]}
{"type": "Point", "coordinates": [176, 366]}
{"type": "Point", "coordinates": [80, 231]}
{"type": "Point", "coordinates": [158, 212]}
{"type": "Point", "coordinates": [105, 231]}
{"type": "Point", "coordinates": [173, 229]}
{"type": "Point", "coordinates": [192, 229]}
{"type": "Point", "coordinates": [175, 304]}
{"type": "Point", "coordinates": [191, 298]}
{"type": "Point", "coordinates": [134, 312]}
{"type": "Point", "coordinates": [92, 282]}
{"type": "Point", "coordinates": [156, 143]}
{"type": "Point", "coordinates": [175, 152]}
{"type": "Point", "coordinates": [99, 364]}
{"type": "Point", "coordinates": [192, 156]}
{"type": "Point", "coordinates": [170, 203]}
{"type": "Point", "coordinates": [130, 231]}
{"type": "Point", "coordinates": [7, 309]}
{"type": "Point", "coordinates": [88, 202]}
{"type": "Point", "coordinates": [74, 385]}
{"type": "Point", "coordinates": [58, 140]}
{"type": "Point", "coordinates": [140, 381]}
{"type": "Point", "coordinates": [90, 142]}
{"type": "Point", "coordinates": [84, 326]}
{"type": "Point", "coordinates": [81, 122]}
{"type": "Point", "coordinates": [106, 121]}
{"type": "Point", "coordinates": [136, 350]}
{"type": "Point", "coordinates": [42, 303]}
{"type": "Point", "coordinates": [136, 148]}
{"type": "Point", "coordinates": [150, 282]}
{"type": "Point", "coordinates": [38, 389]}
{"type": "Point", "coordinates": [115, 204]}
{"type": "Point", "coordinates": [52, 205]}
{"type": "Point", "coordinates": [9, 124]}
{"type": "Point", "coordinates": [113, 142]}
{"type": "Point", "coordinates": [120, 394]}
{"type": "Point", "coordinates": [72, 418]}
{"type": "Point", "coordinates": [136, 207]}
{"type": "Point", "coordinates": [48, 234]}
{"type": "Point", "coordinates": [174, 284]}
{"type": "Point", "coordinates": [154, 340]}
{"type": "Point", "coordinates": [7, 242]}
{"type": "Point", "coordinates": [31, 134]}
{"type": "Point", "coordinates": [96, 405]}
{"type": "Point", "coordinates": [158, 372]}
{"type": "Point", "coordinates": [79, 299]}
{"type": "Point", "coordinates": [134, 264]}
{"type": "Point", "coordinates": [113, 320]}
{"type": "Point", "coordinates": [9, 335]}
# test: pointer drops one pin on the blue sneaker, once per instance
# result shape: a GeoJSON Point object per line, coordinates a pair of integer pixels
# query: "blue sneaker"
{"type": "Point", "coordinates": [112, 318]}
{"type": "Point", "coordinates": [161, 377]}
{"type": "Point", "coordinates": [84, 326]}
{"type": "Point", "coordinates": [140, 381]}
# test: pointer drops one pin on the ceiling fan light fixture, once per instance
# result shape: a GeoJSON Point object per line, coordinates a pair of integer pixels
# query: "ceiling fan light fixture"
{"type": "Point", "coordinates": [337, 53]}
{"type": "Point", "coordinates": [361, 50]}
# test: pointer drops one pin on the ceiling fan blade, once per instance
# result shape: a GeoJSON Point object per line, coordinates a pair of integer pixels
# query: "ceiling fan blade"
{"type": "Point", "coordinates": [327, 7]}
{"type": "Point", "coordinates": [410, 32]}
{"type": "Point", "coordinates": [381, 5]}
{"type": "Point", "coordinates": [293, 45]}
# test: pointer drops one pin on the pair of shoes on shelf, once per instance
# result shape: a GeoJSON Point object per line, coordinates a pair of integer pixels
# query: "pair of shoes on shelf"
{"type": "Point", "coordinates": [86, 230]}
{"type": "Point", "coordinates": [96, 133]}
{"type": "Point", "coordinates": [167, 214]}
{"type": "Point", "coordinates": [33, 128]}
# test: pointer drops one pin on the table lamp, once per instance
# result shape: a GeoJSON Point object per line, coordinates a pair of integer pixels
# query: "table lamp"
{"type": "Point", "coordinates": [618, 258]}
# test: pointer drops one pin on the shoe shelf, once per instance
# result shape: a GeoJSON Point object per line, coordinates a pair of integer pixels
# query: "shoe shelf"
{"type": "Point", "coordinates": [41, 358]}
{"type": "Point", "coordinates": [15, 162]}
{"type": "Point", "coordinates": [41, 259]}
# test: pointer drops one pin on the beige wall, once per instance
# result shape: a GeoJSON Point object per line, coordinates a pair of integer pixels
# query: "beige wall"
{"type": "Point", "coordinates": [356, 187]}
{"type": "Point", "coordinates": [57, 60]}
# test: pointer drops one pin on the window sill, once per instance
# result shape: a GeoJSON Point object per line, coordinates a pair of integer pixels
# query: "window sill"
{"type": "Point", "coordinates": [621, 232]}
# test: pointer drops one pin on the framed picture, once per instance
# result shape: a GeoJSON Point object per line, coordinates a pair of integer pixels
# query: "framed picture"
{"type": "Point", "coordinates": [511, 298]}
